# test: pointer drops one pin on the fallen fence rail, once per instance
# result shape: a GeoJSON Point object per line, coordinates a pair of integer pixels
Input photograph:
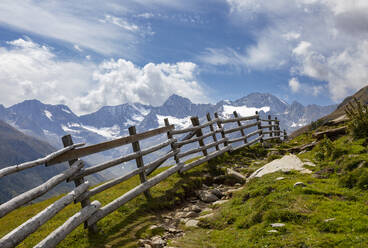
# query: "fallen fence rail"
{"type": "Point", "coordinates": [91, 212]}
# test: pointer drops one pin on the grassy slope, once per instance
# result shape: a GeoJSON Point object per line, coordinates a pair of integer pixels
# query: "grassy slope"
{"type": "Point", "coordinates": [339, 193]}
{"type": "Point", "coordinates": [123, 227]}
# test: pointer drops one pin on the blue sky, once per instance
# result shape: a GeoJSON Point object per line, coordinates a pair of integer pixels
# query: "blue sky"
{"type": "Point", "coordinates": [87, 54]}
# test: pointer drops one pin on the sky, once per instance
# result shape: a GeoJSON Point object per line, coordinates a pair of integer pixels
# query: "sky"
{"type": "Point", "coordinates": [88, 54]}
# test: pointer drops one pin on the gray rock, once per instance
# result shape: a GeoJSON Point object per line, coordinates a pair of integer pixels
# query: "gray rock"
{"type": "Point", "coordinates": [277, 224]}
{"type": "Point", "coordinates": [195, 208]}
{"type": "Point", "coordinates": [205, 216]}
{"type": "Point", "coordinates": [207, 196]}
{"type": "Point", "coordinates": [158, 242]}
{"type": "Point", "coordinates": [190, 214]}
{"type": "Point", "coordinates": [216, 192]}
{"type": "Point", "coordinates": [220, 202]}
{"type": "Point", "coordinates": [299, 184]}
{"type": "Point", "coordinates": [328, 220]}
{"type": "Point", "coordinates": [273, 231]}
{"type": "Point", "coordinates": [192, 223]}
{"type": "Point", "coordinates": [280, 178]}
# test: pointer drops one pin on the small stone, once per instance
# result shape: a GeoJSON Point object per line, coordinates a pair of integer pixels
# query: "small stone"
{"type": "Point", "coordinates": [190, 214]}
{"type": "Point", "coordinates": [309, 163]}
{"type": "Point", "coordinates": [147, 246]}
{"type": "Point", "coordinates": [153, 227]}
{"type": "Point", "coordinates": [205, 216]}
{"type": "Point", "coordinates": [277, 224]}
{"type": "Point", "coordinates": [237, 185]}
{"type": "Point", "coordinates": [158, 242]}
{"type": "Point", "coordinates": [174, 230]}
{"type": "Point", "coordinates": [143, 242]}
{"type": "Point", "coordinates": [207, 196]}
{"type": "Point", "coordinates": [192, 223]}
{"type": "Point", "coordinates": [299, 184]}
{"type": "Point", "coordinates": [328, 220]}
{"type": "Point", "coordinates": [195, 208]}
{"type": "Point", "coordinates": [220, 202]}
{"type": "Point", "coordinates": [273, 231]}
{"type": "Point", "coordinates": [180, 214]}
{"type": "Point", "coordinates": [216, 192]}
{"type": "Point", "coordinates": [280, 178]}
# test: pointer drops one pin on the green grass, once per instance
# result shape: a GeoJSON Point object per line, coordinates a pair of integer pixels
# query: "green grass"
{"type": "Point", "coordinates": [123, 227]}
{"type": "Point", "coordinates": [245, 220]}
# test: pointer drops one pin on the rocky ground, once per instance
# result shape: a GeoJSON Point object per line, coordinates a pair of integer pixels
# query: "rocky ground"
{"type": "Point", "coordinates": [210, 198]}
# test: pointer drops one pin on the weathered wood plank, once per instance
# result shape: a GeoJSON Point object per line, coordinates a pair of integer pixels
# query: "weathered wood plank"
{"type": "Point", "coordinates": [246, 137]}
{"type": "Point", "coordinates": [260, 138]}
{"type": "Point", "coordinates": [112, 206]}
{"type": "Point", "coordinates": [116, 161]}
{"type": "Point", "coordinates": [85, 151]}
{"type": "Point", "coordinates": [32, 194]}
{"type": "Point", "coordinates": [188, 141]}
{"type": "Point", "coordinates": [195, 150]}
{"type": "Point", "coordinates": [130, 174]}
{"type": "Point", "coordinates": [245, 118]}
{"type": "Point", "coordinates": [269, 126]}
{"type": "Point", "coordinates": [15, 168]}
{"type": "Point", "coordinates": [204, 159]}
{"type": "Point", "coordinates": [240, 125]}
{"type": "Point", "coordinates": [235, 129]}
{"type": "Point", "coordinates": [219, 125]}
{"type": "Point", "coordinates": [208, 116]}
{"type": "Point", "coordinates": [195, 122]}
{"type": "Point", "coordinates": [72, 223]}
{"type": "Point", "coordinates": [16, 236]}
{"type": "Point", "coordinates": [139, 161]}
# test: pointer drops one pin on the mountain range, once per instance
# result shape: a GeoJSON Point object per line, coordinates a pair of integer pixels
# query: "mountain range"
{"type": "Point", "coordinates": [50, 122]}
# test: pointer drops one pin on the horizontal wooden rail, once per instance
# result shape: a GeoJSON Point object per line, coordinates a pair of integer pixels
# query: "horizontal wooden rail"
{"type": "Point", "coordinates": [268, 126]}
{"type": "Point", "coordinates": [15, 168]}
{"type": "Point", "coordinates": [202, 148]}
{"type": "Point", "coordinates": [114, 162]}
{"type": "Point", "coordinates": [194, 129]}
{"type": "Point", "coordinates": [268, 120]}
{"type": "Point", "coordinates": [131, 194]}
{"type": "Point", "coordinates": [245, 137]}
{"type": "Point", "coordinates": [246, 118]}
{"type": "Point", "coordinates": [270, 132]}
{"type": "Point", "coordinates": [85, 151]}
{"type": "Point", "coordinates": [72, 223]}
{"type": "Point", "coordinates": [32, 194]}
{"type": "Point", "coordinates": [188, 141]}
{"type": "Point", "coordinates": [204, 159]}
{"type": "Point", "coordinates": [16, 236]}
{"type": "Point", "coordinates": [235, 129]}
{"type": "Point", "coordinates": [272, 137]}
{"type": "Point", "coordinates": [248, 144]}
{"type": "Point", "coordinates": [127, 176]}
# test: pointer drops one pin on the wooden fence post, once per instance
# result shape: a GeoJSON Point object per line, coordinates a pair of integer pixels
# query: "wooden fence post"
{"type": "Point", "coordinates": [259, 125]}
{"type": "Point", "coordinates": [68, 141]}
{"type": "Point", "coordinates": [270, 123]}
{"type": "Point", "coordinates": [212, 129]}
{"type": "Point", "coordinates": [285, 135]}
{"type": "Point", "coordinates": [195, 122]}
{"type": "Point", "coordinates": [239, 124]}
{"type": "Point", "coordinates": [277, 128]}
{"type": "Point", "coordinates": [173, 145]}
{"type": "Point", "coordinates": [139, 161]}
{"type": "Point", "coordinates": [219, 125]}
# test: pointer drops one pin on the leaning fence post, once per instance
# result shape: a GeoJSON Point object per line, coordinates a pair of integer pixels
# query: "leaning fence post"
{"type": "Point", "coordinates": [139, 161]}
{"type": "Point", "coordinates": [285, 135]}
{"type": "Point", "coordinates": [212, 130]}
{"type": "Point", "coordinates": [259, 125]}
{"type": "Point", "coordinates": [173, 145]}
{"type": "Point", "coordinates": [270, 124]}
{"type": "Point", "coordinates": [195, 122]}
{"type": "Point", "coordinates": [68, 141]}
{"type": "Point", "coordinates": [239, 124]}
{"type": "Point", "coordinates": [219, 125]}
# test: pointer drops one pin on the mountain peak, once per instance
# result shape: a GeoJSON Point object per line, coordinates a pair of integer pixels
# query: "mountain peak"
{"type": "Point", "coordinates": [176, 99]}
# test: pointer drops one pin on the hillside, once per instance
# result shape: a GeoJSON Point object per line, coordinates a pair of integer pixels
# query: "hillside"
{"type": "Point", "coordinates": [15, 148]}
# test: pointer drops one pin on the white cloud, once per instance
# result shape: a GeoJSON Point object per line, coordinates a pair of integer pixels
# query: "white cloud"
{"type": "Point", "coordinates": [322, 39]}
{"type": "Point", "coordinates": [122, 81]}
{"type": "Point", "coordinates": [29, 70]}
{"type": "Point", "coordinates": [76, 47]}
{"type": "Point", "coordinates": [294, 85]}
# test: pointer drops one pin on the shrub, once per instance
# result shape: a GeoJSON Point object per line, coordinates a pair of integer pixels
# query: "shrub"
{"type": "Point", "coordinates": [358, 115]}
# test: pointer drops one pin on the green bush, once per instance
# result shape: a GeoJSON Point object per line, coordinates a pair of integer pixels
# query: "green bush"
{"type": "Point", "coordinates": [358, 115]}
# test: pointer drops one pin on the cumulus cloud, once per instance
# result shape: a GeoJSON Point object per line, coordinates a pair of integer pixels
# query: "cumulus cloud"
{"type": "Point", "coordinates": [298, 87]}
{"type": "Point", "coordinates": [29, 70]}
{"type": "Point", "coordinates": [122, 81]}
{"type": "Point", "coordinates": [294, 85]}
{"type": "Point", "coordinates": [325, 40]}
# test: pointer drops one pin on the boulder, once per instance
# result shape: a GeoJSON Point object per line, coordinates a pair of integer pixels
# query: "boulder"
{"type": "Point", "coordinates": [207, 196]}
{"type": "Point", "coordinates": [192, 223]}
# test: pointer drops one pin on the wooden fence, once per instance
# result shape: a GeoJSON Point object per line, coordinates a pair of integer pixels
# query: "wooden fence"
{"type": "Point", "coordinates": [92, 212]}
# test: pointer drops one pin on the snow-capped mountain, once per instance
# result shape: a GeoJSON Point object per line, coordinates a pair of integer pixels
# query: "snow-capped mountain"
{"type": "Point", "coordinates": [50, 122]}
